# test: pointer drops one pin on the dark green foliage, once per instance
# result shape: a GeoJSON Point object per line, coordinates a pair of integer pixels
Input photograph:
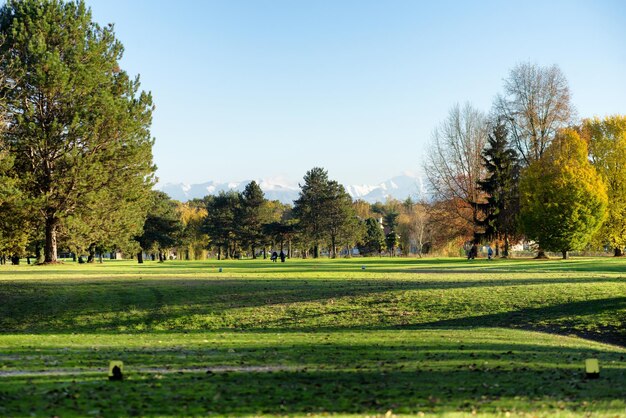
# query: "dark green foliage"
{"type": "Point", "coordinates": [221, 223]}
{"type": "Point", "coordinates": [250, 222]}
{"type": "Point", "coordinates": [501, 187]}
{"type": "Point", "coordinates": [163, 227]}
{"type": "Point", "coordinates": [374, 238]}
{"type": "Point", "coordinates": [77, 124]}
{"type": "Point", "coordinates": [390, 221]}
{"type": "Point", "coordinates": [323, 209]}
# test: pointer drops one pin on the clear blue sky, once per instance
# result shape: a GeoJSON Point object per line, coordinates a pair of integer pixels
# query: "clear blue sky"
{"type": "Point", "coordinates": [257, 89]}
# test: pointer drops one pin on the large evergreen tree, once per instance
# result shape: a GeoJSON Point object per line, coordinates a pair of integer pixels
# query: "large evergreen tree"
{"type": "Point", "coordinates": [501, 187]}
{"type": "Point", "coordinates": [78, 127]}
{"type": "Point", "coordinates": [562, 197]}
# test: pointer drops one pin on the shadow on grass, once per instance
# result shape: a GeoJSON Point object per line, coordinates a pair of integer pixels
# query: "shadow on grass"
{"type": "Point", "coordinates": [337, 379]}
{"type": "Point", "coordinates": [65, 306]}
{"type": "Point", "coordinates": [559, 319]}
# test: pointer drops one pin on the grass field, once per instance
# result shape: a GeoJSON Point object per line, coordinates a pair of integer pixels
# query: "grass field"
{"type": "Point", "coordinates": [430, 336]}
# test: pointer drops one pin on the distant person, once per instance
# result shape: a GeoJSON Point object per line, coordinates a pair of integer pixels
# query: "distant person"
{"type": "Point", "coordinates": [274, 256]}
{"type": "Point", "coordinates": [489, 252]}
{"type": "Point", "coordinates": [473, 252]}
{"type": "Point", "coordinates": [282, 256]}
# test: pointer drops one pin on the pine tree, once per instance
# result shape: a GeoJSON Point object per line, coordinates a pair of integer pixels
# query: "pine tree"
{"type": "Point", "coordinates": [322, 209]}
{"type": "Point", "coordinates": [221, 222]}
{"type": "Point", "coordinates": [250, 222]}
{"type": "Point", "coordinates": [501, 187]}
{"type": "Point", "coordinates": [373, 240]}
{"type": "Point", "coordinates": [78, 127]}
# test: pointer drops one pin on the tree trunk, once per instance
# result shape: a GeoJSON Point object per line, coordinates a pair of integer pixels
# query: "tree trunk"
{"type": "Point", "coordinates": [541, 255]}
{"type": "Point", "coordinates": [333, 247]}
{"type": "Point", "coordinates": [565, 254]}
{"type": "Point", "coordinates": [253, 252]}
{"type": "Point", "coordinates": [100, 258]}
{"type": "Point", "coordinates": [50, 248]}
{"type": "Point", "coordinates": [140, 257]}
{"type": "Point", "coordinates": [617, 252]}
{"type": "Point", "coordinates": [289, 248]}
{"type": "Point", "coordinates": [91, 258]}
{"type": "Point", "coordinates": [316, 251]}
{"type": "Point", "coordinates": [219, 252]}
{"type": "Point", "coordinates": [505, 252]}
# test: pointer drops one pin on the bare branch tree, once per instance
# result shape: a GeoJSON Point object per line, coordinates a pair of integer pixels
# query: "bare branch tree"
{"type": "Point", "coordinates": [535, 105]}
{"type": "Point", "coordinates": [453, 162]}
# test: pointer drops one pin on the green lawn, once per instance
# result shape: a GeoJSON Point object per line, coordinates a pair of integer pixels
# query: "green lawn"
{"type": "Point", "coordinates": [427, 336]}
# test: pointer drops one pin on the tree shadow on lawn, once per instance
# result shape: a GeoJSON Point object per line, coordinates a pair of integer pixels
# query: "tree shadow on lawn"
{"type": "Point", "coordinates": [370, 379]}
{"type": "Point", "coordinates": [149, 305]}
{"type": "Point", "coordinates": [557, 319]}
{"type": "Point", "coordinates": [36, 305]}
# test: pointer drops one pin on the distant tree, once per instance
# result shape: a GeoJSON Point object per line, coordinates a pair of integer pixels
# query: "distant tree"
{"type": "Point", "coordinates": [274, 213]}
{"type": "Point", "coordinates": [221, 222]}
{"type": "Point", "coordinates": [194, 241]}
{"type": "Point", "coordinates": [390, 222]}
{"type": "Point", "coordinates": [373, 240]}
{"type": "Point", "coordinates": [534, 106]}
{"type": "Point", "coordinates": [453, 163]}
{"type": "Point", "coordinates": [413, 226]}
{"type": "Point", "coordinates": [500, 186]}
{"type": "Point", "coordinates": [75, 120]}
{"type": "Point", "coordinates": [251, 217]}
{"type": "Point", "coordinates": [310, 208]}
{"type": "Point", "coordinates": [322, 209]}
{"type": "Point", "coordinates": [162, 229]}
{"type": "Point", "coordinates": [563, 199]}
{"type": "Point", "coordinates": [607, 150]}
{"type": "Point", "coordinates": [351, 232]}
{"type": "Point", "coordinates": [363, 209]}
{"type": "Point", "coordinates": [341, 219]}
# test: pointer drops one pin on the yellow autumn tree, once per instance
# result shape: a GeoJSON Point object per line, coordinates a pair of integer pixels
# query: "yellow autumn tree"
{"type": "Point", "coordinates": [563, 199]}
{"type": "Point", "coordinates": [607, 150]}
{"type": "Point", "coordinates": [194, 241]}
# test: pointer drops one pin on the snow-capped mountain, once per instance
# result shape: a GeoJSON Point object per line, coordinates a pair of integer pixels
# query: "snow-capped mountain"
{"type": "Point", "coordinates": [399, 187]}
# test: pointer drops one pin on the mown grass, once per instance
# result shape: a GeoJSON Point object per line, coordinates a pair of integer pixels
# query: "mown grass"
{"type": "Point", "coordinates": [434, 336]}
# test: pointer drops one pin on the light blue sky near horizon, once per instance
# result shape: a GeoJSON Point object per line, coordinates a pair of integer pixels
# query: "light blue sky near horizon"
{"type": "Point", "coordinates": [271, 88]}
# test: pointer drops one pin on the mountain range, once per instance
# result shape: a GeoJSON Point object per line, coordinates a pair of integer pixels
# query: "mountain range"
{"type": "Point", "coordinates": [398, 187]}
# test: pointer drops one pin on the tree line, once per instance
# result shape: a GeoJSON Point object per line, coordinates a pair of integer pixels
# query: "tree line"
{"type": "Point", "coordinates": [324, 220]}
{"type": "Point", "coordinates": [530, 170]}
